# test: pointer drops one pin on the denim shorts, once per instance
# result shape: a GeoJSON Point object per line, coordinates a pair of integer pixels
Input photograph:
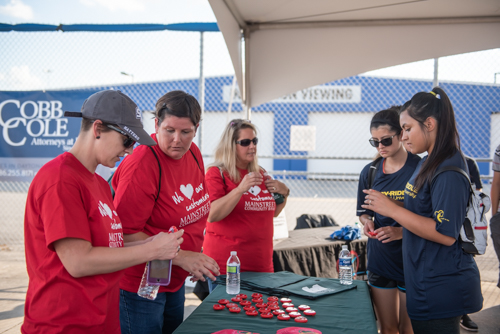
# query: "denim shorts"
{"type": "Point", "coordinates": [140, 315]}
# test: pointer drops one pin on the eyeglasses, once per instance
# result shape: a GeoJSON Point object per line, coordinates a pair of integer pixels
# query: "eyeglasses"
{"type": "Point", "coordinates": [246, 142]}
{"type": "Point", "coordinates": [127, 142]}
{"type": "Point", "coordinates": [386, 141]}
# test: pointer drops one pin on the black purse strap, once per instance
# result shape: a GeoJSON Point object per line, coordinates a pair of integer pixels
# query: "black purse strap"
{"type": "Point", "coordinates": [159, 179]}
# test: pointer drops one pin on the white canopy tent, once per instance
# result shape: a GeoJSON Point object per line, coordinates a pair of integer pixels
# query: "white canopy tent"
{"type": "Point", "coordinates": [281, 46]}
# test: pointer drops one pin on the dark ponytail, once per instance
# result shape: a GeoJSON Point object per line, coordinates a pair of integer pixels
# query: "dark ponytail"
{"type": "Point", "coordinates": [437, 105]}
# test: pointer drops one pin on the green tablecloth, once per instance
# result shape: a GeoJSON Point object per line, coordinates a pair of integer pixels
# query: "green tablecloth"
{"type": "Point", "coordinates": [346, 312]}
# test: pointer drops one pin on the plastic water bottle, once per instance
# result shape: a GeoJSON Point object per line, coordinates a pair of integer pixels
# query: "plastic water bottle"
{"type": "Point", "coordinates": [345, 266]}
{"type": "Point", "coordinates": [147, 290]}
{"type": "Point", "coordinates": [233, 275]}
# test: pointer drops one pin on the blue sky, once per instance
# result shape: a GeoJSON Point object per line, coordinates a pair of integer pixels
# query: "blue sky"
{"type": "Point", "coordinates": [45, 67]}
{"type": "Point", "coordinates": [105, 11]}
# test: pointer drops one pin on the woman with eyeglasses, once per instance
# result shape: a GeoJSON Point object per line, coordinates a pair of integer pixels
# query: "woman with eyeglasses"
{"type": "Point", "coordinates": [73, 237]}
{"type": "Point", "coordinates": [442, 280]}
{"type": "Point", "coordinates": [394, 167]}
{"type": "Point", "coordinates": [156, 190]}
{"type": "Point", "coordinates": [243, 207]}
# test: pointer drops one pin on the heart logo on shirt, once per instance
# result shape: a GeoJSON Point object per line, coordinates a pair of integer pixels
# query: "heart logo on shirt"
{"type": "Point", "coordinates": [255, 190]}
{"type": "Point", "coordinates": [187, 190]}
{"type": "Point", "coordinates": [105, 210]}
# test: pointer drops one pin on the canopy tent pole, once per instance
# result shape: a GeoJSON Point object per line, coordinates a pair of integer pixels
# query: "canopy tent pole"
{"type": "Point", "coordinates": [231, 98]}
{"type": "Point", "coordinates": [435, 82]}
{"type": "Point", "coordinates": [244, 55]}
{"type": "Point", "coordinates": [245, 70]}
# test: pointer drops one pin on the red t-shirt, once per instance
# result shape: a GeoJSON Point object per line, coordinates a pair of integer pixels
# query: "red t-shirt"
{"type": "Point", "coordinates": [183, 203]}
{"type": "Point", "coordinates": [65, 200]}
{"type": "Point", "coordinates": [248, 229]}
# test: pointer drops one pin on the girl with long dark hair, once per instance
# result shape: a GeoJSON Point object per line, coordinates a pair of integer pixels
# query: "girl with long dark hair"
{"type": "Point", "coordinates": [442, 281]}
{"type": "Point", "coordinates": [394, 167]}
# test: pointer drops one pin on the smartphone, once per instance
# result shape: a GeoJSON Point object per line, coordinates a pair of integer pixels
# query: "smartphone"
{"type": "Point", "coordinates": [159, 272]}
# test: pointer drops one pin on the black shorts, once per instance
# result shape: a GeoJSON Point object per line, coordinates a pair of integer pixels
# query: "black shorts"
{"type": "Point", "coordinates": [381, 282]}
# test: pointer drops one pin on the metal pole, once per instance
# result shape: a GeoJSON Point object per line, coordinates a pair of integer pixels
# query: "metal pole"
{"type": "Point", "coordinates": [231, 98]}
{"type": "Point", "coordinates": [495, 81]}
{"type": "Point", "coordinates": [245, 73]}
{"type": "Point", "coordinates": [435, 82]}
{"type": "Point", "coordinates": [201, 93]}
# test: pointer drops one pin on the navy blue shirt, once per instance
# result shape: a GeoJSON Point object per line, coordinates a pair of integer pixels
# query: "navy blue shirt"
{"type": "Point", "coordinates": [441, 281]}
{"type": "Point", "coordinates": [386, 259]}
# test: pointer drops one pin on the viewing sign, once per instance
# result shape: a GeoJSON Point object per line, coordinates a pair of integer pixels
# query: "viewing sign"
{"type": "Point", "coordinates": [316, 94]}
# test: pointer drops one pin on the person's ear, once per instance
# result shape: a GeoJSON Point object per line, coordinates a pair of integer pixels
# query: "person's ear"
{"type": "Point", "coordinates": [430, 123]}
{"type": "Point", "coordinates": [156, 125]}
{"type": "Point", "coordinates": [196, 128]}
{"type": "Point", "coordinates": [96, 128]}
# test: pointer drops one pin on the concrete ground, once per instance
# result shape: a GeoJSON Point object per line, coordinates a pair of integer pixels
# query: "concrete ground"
{"type": "Point", "coordinates": [14, 282]}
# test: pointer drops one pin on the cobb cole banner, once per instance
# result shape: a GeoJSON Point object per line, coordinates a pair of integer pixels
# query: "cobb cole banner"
{"type": "Point", "coordinates": [34, 130]}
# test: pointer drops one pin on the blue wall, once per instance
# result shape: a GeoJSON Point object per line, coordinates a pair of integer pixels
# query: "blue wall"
{"type": "Point", "coordinates": [473, 106]}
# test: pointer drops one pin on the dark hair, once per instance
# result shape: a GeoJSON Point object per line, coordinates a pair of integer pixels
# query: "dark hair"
{"type": "Point", "coordinates": [87, 124]}
{"type": "Point", "coordinates": [180, 104]}
{"type": "Point", "coordinates": [388, 117]}
{"type": "Point", "coordinates": [437, 105]}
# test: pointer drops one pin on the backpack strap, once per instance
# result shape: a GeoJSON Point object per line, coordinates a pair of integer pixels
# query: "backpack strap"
{"type": "Point", "coordinates": [455, 169]}
{"type": "Point", "coordinates": [195, 159]}
{"type": "Point", "coordinates": [373, 170]}
{"type": "Point", "coordinates": [159, 166]}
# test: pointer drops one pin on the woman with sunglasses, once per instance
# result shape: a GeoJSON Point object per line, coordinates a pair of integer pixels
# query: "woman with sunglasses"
{"type": "Point", "coordinates": [385, 257]}
{"type": "Point", "coordinates": [155, 191]}
{"type": "Point", "coordinates": [73, 237]}
{"type": "Point", "coordinates": [241, 216]}
{"type": "Point", "coordinates": [442, 281]}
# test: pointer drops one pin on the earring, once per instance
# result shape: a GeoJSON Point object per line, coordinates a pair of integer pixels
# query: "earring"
{"type": "Point", "coordinates": [98, 137]}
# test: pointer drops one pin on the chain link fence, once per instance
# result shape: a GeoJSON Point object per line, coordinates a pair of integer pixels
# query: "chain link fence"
{"type": "Point", "coordinates": [315, 140]}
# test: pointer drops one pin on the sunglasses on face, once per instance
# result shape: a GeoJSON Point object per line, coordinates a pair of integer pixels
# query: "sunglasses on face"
{"type": "Point", "coordinates": [386, 141]}
{"type": "Point", "coordinates": [127, 142]}
{"type": "Point", "coordinates": [246, 142]}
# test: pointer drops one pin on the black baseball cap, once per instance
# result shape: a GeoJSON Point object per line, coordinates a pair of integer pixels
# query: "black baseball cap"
{"type": "Point", "coordinates": [114, 107]}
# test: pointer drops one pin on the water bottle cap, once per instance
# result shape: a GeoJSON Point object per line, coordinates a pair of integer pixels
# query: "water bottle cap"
{"type": "Point", "coordinates": [233, 252]}
{"type": "Point", "coordinates": [344, 246]}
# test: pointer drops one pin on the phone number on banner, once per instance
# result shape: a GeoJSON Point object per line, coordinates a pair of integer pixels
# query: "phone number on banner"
{"type": "Point", "coordinates": [17, 172]}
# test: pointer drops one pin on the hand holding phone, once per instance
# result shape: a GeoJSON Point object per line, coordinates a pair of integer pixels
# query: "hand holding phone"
{"type": "Point", "coordinates": [159, 271]}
